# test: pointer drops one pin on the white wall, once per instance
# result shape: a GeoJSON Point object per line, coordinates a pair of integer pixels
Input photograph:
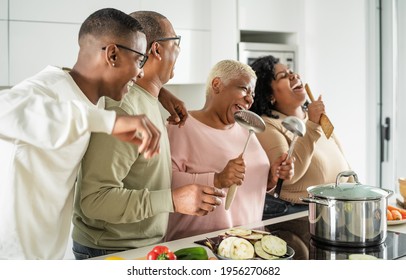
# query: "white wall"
{"type": "Point", "coordinates": [335, 59]}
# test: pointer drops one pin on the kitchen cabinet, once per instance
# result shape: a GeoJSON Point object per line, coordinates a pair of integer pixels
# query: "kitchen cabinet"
{"type": "Point", "coordinates": [193, 63]}
{"type": "Point", "coordinates": [49, 36]}
{"type": "Point", "coordinates": [72, 11]}
{"type": "Point", "coordinates": [34, 45]}
{"type": "Point", "coordinates": [4, 43]}
{"type": "Point", "coordinates": [184, 14]}
{"type": "Point", "coordinates": [3, 53]}
{"type": "Point", "coordinates": [3, 10]}
{"type": "Point", "coordinates": [271, 15]}
{"type": "Point", "coordinates": [193, 13]}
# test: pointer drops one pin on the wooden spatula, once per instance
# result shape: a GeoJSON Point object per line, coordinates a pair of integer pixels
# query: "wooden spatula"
{"type": "Point", "coordinates": [325, 122]}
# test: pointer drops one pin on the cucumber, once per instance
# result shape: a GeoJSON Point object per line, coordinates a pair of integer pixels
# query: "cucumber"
{"type": "Point", "coordinates": [192, 253]}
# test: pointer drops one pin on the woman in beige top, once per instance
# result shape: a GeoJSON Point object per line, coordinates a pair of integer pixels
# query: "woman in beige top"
{"type": "Point", "coordinates": [279, 93]}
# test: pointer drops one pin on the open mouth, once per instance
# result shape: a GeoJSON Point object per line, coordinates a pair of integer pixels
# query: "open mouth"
{"type": "Point", "coordinates": [240, 107]}
{"type": "Point", "coordinates": [298, 85]}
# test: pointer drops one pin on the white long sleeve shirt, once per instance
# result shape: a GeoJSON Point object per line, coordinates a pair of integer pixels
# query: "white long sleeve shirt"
{"type": "Point", "coordinates": [45, 126]}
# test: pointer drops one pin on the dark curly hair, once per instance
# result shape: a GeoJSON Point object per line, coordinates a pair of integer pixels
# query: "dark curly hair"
{"type": "Point", "coordinates": [264, 68]}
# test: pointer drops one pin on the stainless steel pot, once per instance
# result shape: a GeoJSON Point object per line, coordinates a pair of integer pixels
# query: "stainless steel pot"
{"type": "Point", "coordinates": [347, 214]}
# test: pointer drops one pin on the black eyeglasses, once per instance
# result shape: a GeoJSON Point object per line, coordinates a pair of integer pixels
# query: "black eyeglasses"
{"type": "Point", "coordinates": [176, 39]}
{"type": "Point", "coordinates": [141, 62]}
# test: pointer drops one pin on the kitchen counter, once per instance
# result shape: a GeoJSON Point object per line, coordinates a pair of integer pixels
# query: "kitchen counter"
{"type": "Point", "coordinates": [140, 253]}
{"type": "Point", "coordinates": [189, 241]}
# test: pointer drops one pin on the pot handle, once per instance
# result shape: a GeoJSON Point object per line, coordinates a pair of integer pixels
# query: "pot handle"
{"type": "Point", "coordinates": [347, 174]}
{"type": "Point", "coordinates": [313, 200]}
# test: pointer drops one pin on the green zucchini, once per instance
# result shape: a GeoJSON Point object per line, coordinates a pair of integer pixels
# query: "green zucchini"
{"type": "Point", "coordinates": [192, 253]}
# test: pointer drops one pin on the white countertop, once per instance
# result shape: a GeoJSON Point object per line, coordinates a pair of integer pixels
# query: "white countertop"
{"type": "Point", "coordinates": [189, 241]}
{"type": "Point", "coordinates": [140, 253]}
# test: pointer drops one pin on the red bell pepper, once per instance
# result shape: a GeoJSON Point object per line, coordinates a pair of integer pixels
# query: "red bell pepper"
{"type": "Point", "coordinates": [161, 253]}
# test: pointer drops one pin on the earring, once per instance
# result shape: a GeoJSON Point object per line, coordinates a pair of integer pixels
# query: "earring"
{"type": "Point", "coordinates": [113, 64]}
{"type": "Point", "coordinates": [273, 101]}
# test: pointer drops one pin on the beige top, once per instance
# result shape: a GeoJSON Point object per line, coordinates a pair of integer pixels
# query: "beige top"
{"type": "Point", "coordinates": [318, 159]}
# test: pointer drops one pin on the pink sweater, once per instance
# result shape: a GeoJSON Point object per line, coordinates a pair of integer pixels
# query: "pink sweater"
{"type": "Point", "coordinates": [198, 151]}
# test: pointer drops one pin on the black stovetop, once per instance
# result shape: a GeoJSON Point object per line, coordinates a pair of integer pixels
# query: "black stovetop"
{"type": "Point", "coordinates": [296, 234]}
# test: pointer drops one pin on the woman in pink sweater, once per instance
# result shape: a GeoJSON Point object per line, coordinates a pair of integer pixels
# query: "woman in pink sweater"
{"type": "Point", "coordinates": [207, 150]}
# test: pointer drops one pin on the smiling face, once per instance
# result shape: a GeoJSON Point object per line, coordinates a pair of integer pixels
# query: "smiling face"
{"type": "Point", "coordinates": [288, 89]}
{"type": "Point", "coordinates": [234, 95]}
{"type": "Point", "coordinates": [126, 58]}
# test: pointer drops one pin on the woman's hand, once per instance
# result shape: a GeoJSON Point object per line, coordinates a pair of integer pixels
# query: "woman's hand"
{"type": "Point", "coordinates": [233, 173]}
{"type": "Point", "coordinates": [282, 168]}
{"type": "Point", "coordinates": [315, 110]}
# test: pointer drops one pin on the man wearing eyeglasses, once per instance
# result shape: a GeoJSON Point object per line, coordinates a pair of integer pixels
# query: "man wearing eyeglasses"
{"type": "Point", "coordinates": [45, 126]}
{"type": "Point", "coordinates": [123, 199]}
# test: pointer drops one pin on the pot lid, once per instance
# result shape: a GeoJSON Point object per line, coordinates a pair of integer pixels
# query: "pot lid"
{"type": "Point", "coordinates": [348, 191]}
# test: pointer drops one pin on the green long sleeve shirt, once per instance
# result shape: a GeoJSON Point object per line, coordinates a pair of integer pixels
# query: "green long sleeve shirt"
{"type": "Point", "coordinates": [123, 200]}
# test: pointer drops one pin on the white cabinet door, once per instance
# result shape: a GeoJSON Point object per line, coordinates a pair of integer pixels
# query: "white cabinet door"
{"type": "Point", "coordinates": [3, 53]}
{"type": "Point", "coordinates": [271, 15]}
{"type": "Point", "coordinates": [184, 14]}
{"type": "Point", "coordinates": [34, 45]}
{"type": "Point", "coordinates": [3, 9]}
{"type": "Point", "coordinates": [69, 11]}
{"type": "Point", "coordinates": [193, 64]}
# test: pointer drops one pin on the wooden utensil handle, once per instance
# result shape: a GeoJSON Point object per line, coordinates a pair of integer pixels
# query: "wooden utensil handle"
{"type": "Point", "coordinates": [230, 195]}
{"type": "Point", "coordinates": [309, 92]}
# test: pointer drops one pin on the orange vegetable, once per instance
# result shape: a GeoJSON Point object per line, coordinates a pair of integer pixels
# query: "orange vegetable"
{"type": "Point", "coordinates": [402, 211]}
{"type": "Point", "coordinates": [389, 215]}
{"type": "Point", "coordinates": [396, 215]}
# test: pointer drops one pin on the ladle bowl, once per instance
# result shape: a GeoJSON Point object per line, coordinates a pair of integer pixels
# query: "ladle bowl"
{"type": "Point", "coordinates": [298, 128]}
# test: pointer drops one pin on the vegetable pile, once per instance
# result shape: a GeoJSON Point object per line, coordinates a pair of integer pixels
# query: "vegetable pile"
{"type": "Point", "coordinates": [394, 213]}
{"type": "Point", "coordinates": [243, 244]}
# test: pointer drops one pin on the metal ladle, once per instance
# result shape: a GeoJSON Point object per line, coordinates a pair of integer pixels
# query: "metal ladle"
{"type": "Point", "coordinates": [298, 128]}
{"type": "Point", "coordinates": [253, 123]}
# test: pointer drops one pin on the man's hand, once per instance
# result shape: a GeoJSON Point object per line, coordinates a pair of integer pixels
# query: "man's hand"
{"type": "Point", "coordinates": [282, 168]}
{"type": "Point", "coordinates": [197, 200]}
{"type": "Point", "coordinates": [175, 107]}
{"type": "Point", "coordinates": [138, 130]}
{"type": "Point", "coordinates": [233, 173]}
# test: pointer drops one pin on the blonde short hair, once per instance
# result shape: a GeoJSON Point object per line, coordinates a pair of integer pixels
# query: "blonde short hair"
{"type": "Point", "coordinates": [227, 70]}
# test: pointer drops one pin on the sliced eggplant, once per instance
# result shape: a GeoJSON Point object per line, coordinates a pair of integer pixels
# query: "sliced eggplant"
{"type": "Point", "coordinates": [224, 248]}
{"type": "Point", "coordinates": [253, 236]}
{"type": "Point", "coordinates": [261, 253]}
{"type": "Point", "coordinates": [260, 232]}
{"type": "Point", "coordinates": [236, 248]}
{"type": "Point", "coordinates": [241, 249]}
{"type": "Point", "coordinates": [238, 231]}
{"type": "Point", "coordinates": [274, 245]}
{"type": "Point", "coordinates": [361, 257]}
